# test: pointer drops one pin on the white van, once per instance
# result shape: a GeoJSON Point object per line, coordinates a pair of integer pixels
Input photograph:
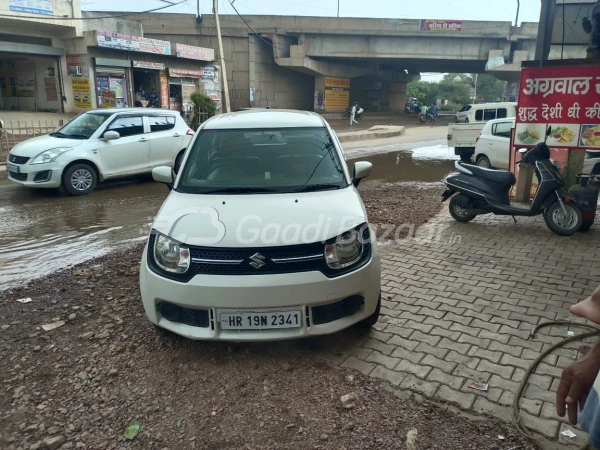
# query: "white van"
{"type": "Point", "coordinates": [484, 112]}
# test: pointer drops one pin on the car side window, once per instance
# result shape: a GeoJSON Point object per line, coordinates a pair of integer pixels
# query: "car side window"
{"type": "Point", "coordinates": [489, 114]}
{"type": "Point", "coordinates": [161, 123]}
{"type": "Point", "coordinates": [502, 113]}
{"type": "Point", "coordinates": [127, 125]}
{"type": "Point", "coordinates": [502, 129]}
{"type": "Point", "coordinates": [479, 115]}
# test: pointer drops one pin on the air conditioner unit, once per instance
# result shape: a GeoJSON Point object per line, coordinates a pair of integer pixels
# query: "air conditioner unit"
{"type": "Point", "coordinates": [78, 70]}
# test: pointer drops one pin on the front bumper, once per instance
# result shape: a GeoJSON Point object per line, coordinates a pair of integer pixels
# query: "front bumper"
{"type": "Point", "coordinates": [260, 293]}
{"type": "Point", "coordinates": [37, 175]}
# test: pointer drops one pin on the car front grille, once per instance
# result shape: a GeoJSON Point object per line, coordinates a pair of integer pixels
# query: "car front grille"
{"type": "Point", "coordinates": [259, 261]}
{"type": "Point", "coordinates": [194, 317]}
{"type": "Point", "coordinates": [18, 159]}
{"type": "Point", "coordinates": [17, 176]}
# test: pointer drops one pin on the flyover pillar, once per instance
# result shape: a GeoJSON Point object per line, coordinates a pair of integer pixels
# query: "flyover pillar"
{"type": "Point", "coordinates": [332, 94]}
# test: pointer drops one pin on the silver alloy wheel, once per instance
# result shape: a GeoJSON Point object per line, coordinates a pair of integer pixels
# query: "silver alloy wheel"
{"type": "Point", "coordinates": [483, 162]}
{"type": "Point", "coordinates": [566, 222]}
{"type": "Point", "coordinates": [82, 179]}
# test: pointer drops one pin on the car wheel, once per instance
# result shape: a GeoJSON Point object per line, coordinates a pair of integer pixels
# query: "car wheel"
{"type": "Point", "coordinates": [80, 179]}
{"type": "Point", "coordinates": [373, 318]}
{"type": "Point", "coordinates": [178, 161]}
{"type": "Point", "coordinates": [467, 120]}
{"type": "Point", "coordinates": [484, 161]}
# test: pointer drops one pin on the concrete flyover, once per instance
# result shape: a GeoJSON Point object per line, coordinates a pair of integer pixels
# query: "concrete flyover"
{"type": "Point", "coordinates": [322, 63]}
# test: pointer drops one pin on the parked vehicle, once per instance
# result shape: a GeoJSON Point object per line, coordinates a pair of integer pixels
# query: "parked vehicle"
{"type": "Point", "coordinates": [473, 190]}
{"type": "Point", "coordinates": [359, 113]}
{"type": "Point", "coordinates": [231, 254]}
{"type": "Point", "coordinates": [492, 148]}
{"type": "Point", "coordinates": [100, 145]}
{"type": "Point", "coordinates": [426, 117]}
{"type": "Point", "coordinates": [591, 164]}
{"type": "Point", "coordinates": [483, 112]}
{"type": "Point", "coordinates": [463, 136]}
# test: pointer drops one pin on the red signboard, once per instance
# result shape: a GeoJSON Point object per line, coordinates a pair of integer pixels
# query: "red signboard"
{"type": "Point", "coordinates": [440, 25]}
{"type": "Point", "coordinates": [164, 90]}
{"type": "Point", "coordinates": [564, 99]}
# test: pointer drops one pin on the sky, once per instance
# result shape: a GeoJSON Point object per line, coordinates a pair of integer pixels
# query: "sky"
{"type": "Point", "coordinates": [501, 10]}
{"type": "Point", "coordinates": [504, 10]}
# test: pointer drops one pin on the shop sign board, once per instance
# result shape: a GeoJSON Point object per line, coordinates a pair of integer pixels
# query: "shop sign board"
{"type": "Point", "coordinates": [440, 25]}
{"type": "Point", "coordinates": [191, 52]}
{"type": "Point", "coordinates": [494, 62]}
{"type": "Point", "coordinates": [562, 101]}
{"type": "Point", "coordinates": [337, 93]}
{"type": "Point", "coordinates": [164, 90]}
{"type": "Point", "coordinates": [43, 7]}
{"type": "Point", "coordinates": [120, 41]}
{"type": "Point", "coordinates": [109, 99]}
{"type": "Point", "coordinates": [148, 65]}
{"type": "Point", "coordinates": [185, 73]}
{"type": "Point", "coordinates": [77, 64]}
{"type": "Point", "coordinates": [82, 98]}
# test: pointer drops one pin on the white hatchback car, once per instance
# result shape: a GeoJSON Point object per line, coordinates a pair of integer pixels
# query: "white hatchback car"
{"type": "Point", "coordinates": [100, 145]}
{"type": "Point", "coordinates": [264, 235]}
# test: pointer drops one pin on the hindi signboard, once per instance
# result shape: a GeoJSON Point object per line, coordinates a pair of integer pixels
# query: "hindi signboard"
{"type": "Point", "coordinates": [440, 25]}
{"type": "Point", "coordinates": [337, 93]}
{"type": "Point", "coordinates": [565, 99]}
{"type": "Point", "coordinates": [82, 98]}
{"type": "Point", "coordinates": [148, 65]}
{"type": "Point", "coordinates": [75, 60]}
{"type": "Point", "coordinates": [109, 99]}
{"type": "Point", "coordinates": [42, 7]}
{"type": "Point", "coordinates": [191, 52]}
{"type": "Point", "coordinates": [119, 41]}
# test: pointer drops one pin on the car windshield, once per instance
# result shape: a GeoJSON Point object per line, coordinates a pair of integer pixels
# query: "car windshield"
{"type": "Point", "coordinates": [273, 161]}
{"type": "Point", "coordinates": [82, 126]}
{"type": "Point", "coordinates": [465, 108]}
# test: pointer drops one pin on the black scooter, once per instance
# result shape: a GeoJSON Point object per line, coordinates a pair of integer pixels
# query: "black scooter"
{"type": "Point", "coordinates": [484, 191]}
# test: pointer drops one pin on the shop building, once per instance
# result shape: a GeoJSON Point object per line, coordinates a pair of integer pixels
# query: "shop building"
{"type": "Point", "coordinates": [32, 53]}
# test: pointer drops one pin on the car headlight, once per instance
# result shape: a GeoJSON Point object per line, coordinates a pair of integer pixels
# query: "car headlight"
{"type": "Point", "coordinates": [49, 155]}
{"type": "Point", "coordinates": [587, 156]}
{"type": "Point", "coordinates": [170, 255]}
{"type": "Point", "coordinates": [345, 251]}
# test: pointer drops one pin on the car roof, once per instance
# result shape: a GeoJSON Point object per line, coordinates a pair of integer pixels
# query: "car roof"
{"type": "Point", "coordinates": [265, 118]}
{"type": "Point", "coordinates": [506, 119]}
{"type": "Point", "coordinates": [483, 105]}
{"type": "Point", "coordinates": [135, 110]}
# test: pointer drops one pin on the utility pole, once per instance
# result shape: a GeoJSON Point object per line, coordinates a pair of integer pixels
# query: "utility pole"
{"type": "Point", "coordinates": [547, 17]}
{"type": "Point", "coordinates": [338, 8]}
{"type": "Point", "coordinates": [518, 8]}
{"type": "Point", "coordinates": [226, 104]}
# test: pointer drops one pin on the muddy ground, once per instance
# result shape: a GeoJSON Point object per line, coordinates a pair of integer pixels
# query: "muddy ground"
{"type": "Point", "coordinates": [82, 384]}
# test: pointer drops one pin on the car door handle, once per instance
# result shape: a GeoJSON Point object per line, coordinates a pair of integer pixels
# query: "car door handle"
{"type": "Point", "coordinates": [176, 135]}
{"type": "Point", "coordinates": [143, 140]}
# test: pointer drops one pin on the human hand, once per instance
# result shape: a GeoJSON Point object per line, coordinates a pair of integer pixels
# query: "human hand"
{"type": "Point", "coordinates": [576, 383]}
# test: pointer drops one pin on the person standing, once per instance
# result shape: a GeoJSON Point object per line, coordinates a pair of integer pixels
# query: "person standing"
{"type": "Point", "coordinates": [153, 98]}
{"type": "Point", "coordinates": [353, 113]}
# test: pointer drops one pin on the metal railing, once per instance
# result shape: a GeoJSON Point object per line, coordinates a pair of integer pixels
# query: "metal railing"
{"type": "Point", "coordinates": [14, 132]}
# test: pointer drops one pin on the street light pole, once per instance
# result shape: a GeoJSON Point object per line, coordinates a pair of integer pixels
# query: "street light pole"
{"type": "Point", "coordinates": [338, 8]}
{"type": "Point", "coordinates": [226, 105]}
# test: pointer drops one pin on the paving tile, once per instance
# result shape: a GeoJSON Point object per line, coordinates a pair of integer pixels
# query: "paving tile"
{"type": "Point", "coordinates": [426, 388]}
{"type": "Point", "coordinates": [431, 360]}
{"type": "Point", "coordinates": [391, 376]}
{"type": "Point", "coordinates": [381, 359]}
{"type": "Point", "coordinates": [354, 363]}
{"type": "Point", "coordinates": [447, 394]}
{"type": "Point", "coordinates": [444, 378]}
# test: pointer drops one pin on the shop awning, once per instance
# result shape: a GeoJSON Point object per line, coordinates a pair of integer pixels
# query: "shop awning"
{"type": "Point", "coordinates": [31, 49]}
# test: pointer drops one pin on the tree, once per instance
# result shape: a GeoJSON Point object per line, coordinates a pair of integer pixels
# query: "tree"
{"type": "Point", "coordinates": [488, 86]}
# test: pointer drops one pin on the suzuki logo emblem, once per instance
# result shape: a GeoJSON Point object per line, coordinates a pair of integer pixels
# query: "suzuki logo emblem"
{"type": "Point", "coordinates": [257, 261]}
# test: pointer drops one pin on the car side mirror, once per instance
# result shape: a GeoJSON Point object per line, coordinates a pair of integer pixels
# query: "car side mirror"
{"type": "Point", "coordinates": [163, 174]}
{"type": "Point", "coordinates": [111, 136]}
{"type": "Point", "coordinates": [362, 169]}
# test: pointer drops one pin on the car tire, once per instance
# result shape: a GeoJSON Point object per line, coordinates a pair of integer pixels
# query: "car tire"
{"type": "Point", "coordinates": [484, 162]}
{"type": "Point", "coordinates": [467, 120]}
{"type": "Point", "coordinates": [459, 213]}
{"type": "Point", "coordinates": [178, 160]}
{"type": "Point", "coordinates": [79, 179]}
{"type": "Point", "coordinates": [373, 318]}
{"type": "Point", "coordinates": [586, 225]}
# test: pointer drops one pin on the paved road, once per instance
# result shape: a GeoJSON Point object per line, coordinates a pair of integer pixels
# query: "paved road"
{"type": "Point", "coordinates": [461, 307]}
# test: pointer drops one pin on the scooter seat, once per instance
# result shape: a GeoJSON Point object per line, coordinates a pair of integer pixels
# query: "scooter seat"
{"type": "Point", "coordinates": [497, 176]}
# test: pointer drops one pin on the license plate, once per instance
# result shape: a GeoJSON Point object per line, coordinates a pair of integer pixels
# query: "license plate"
{"type": "Point", "coordinates": [260, 321]}
{"type": "Point", "coordinates": [12, 168]}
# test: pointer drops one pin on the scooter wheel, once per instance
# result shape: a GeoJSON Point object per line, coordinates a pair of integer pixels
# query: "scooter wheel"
{"type": "Point", "coordinates": [561, 223]}
{"type": "Point", "coordinates": [460, 213]}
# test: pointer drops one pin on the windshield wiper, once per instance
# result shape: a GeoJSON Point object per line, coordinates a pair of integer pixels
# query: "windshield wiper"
{"type": "Point", "coordinates": [69, 136]}
{"type": "Point", "coordinates": [239, 190]}
{"type": "Point", "coordinates": [318, 187]}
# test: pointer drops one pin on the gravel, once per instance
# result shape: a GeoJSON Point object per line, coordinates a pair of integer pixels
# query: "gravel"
{"type": "Point", "coordinates": [82, 384]}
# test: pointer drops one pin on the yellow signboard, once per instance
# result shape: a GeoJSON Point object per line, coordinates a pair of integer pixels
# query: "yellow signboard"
{"type": "Point", "coordinates": [337, 93]}
{"type": "Point", "coordinates": [82, 98]}
{"type": "Point", "coordinates": [337, 82]}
